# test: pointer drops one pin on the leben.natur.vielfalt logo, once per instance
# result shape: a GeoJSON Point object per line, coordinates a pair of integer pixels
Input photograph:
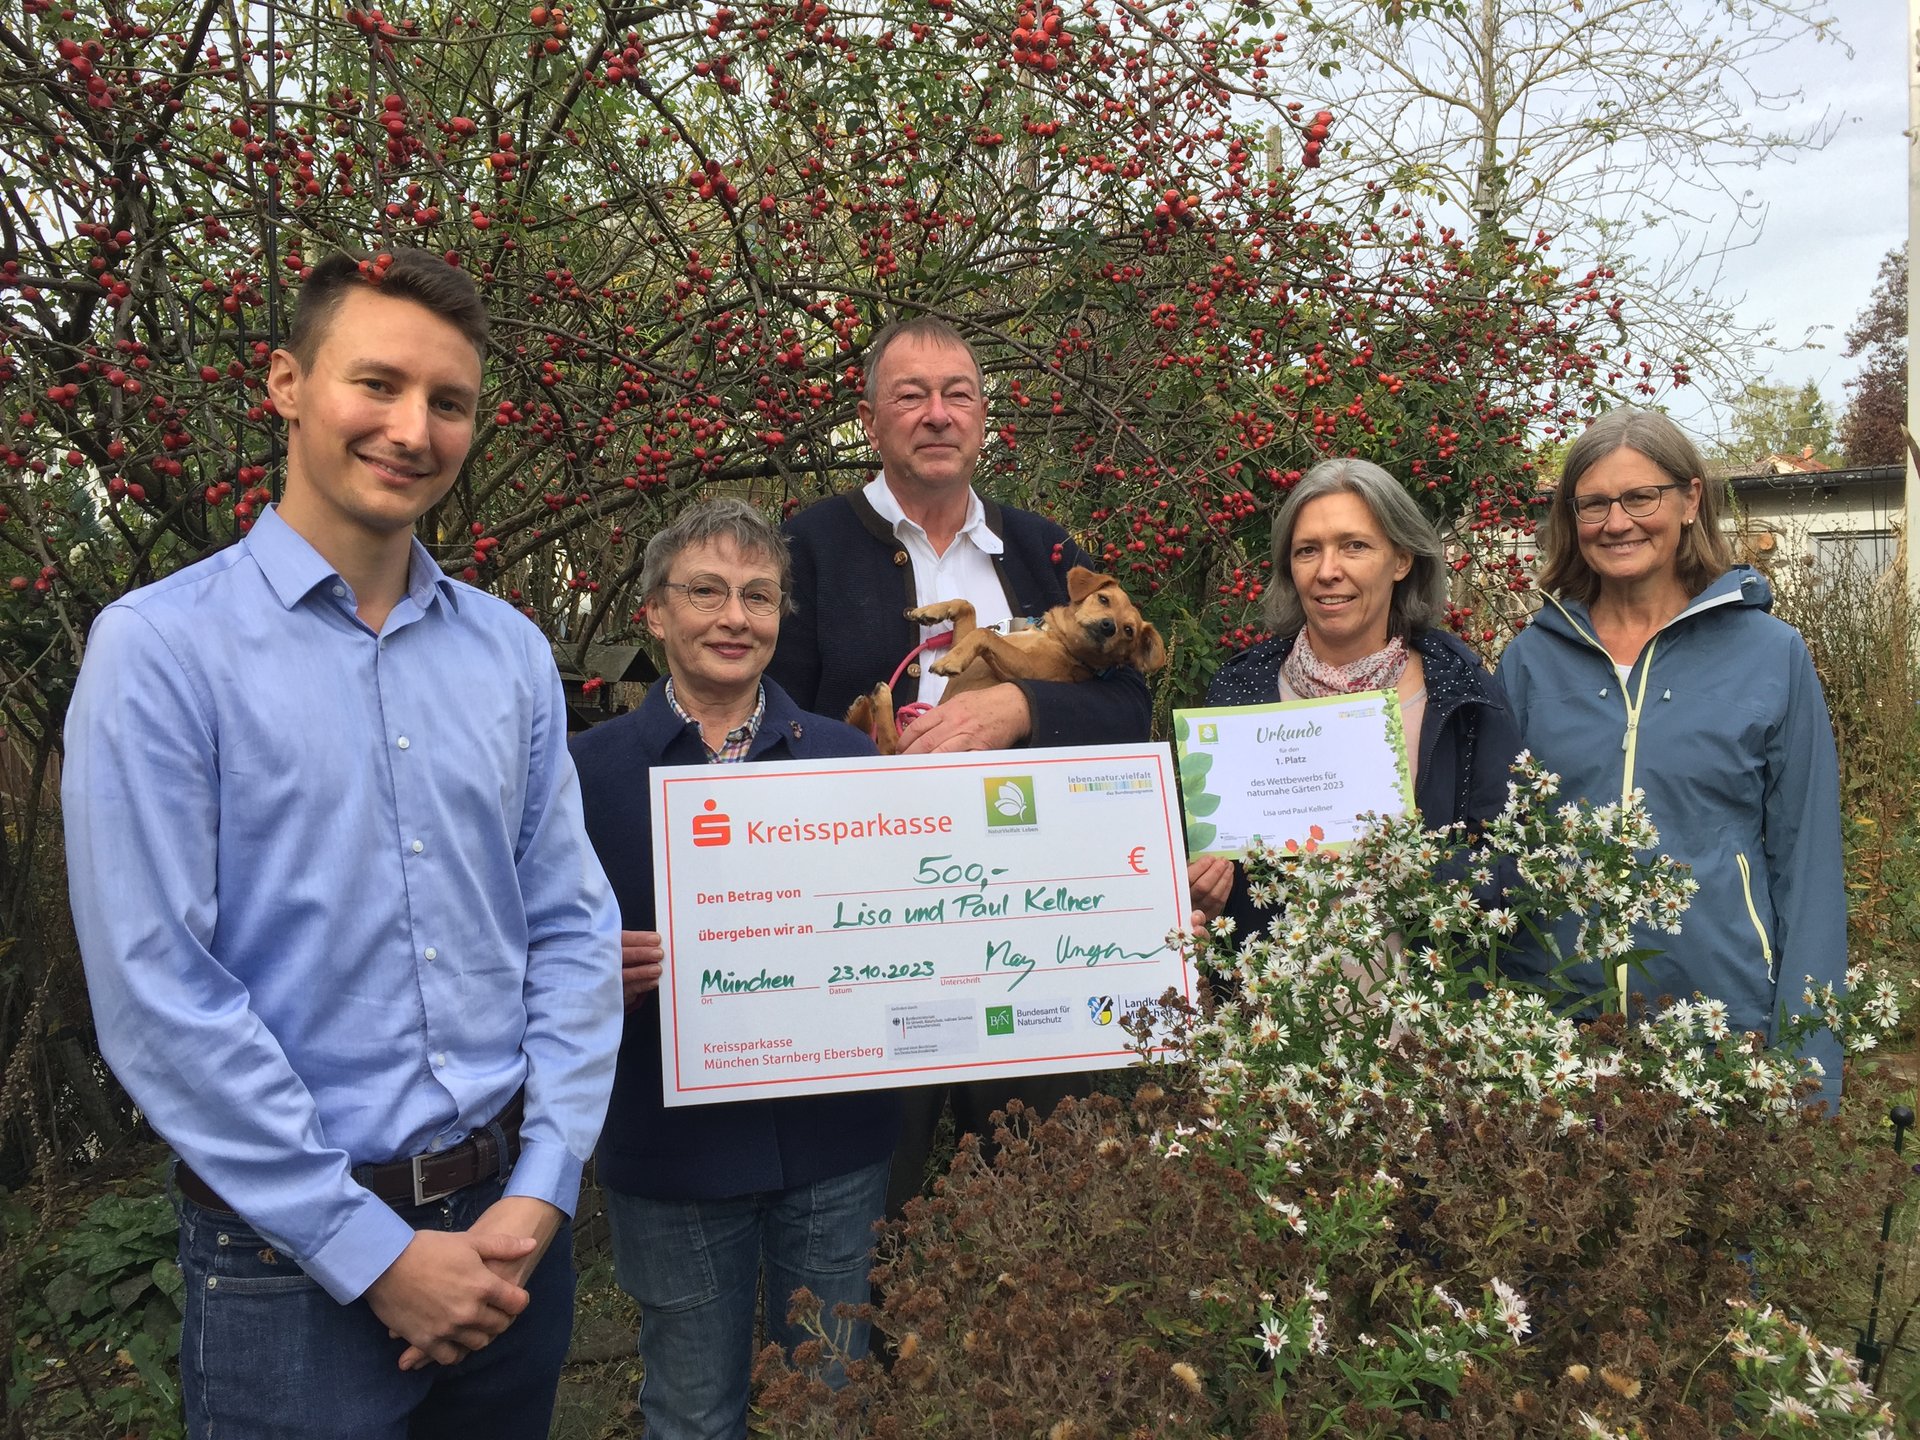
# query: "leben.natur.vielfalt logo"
{"type": "Point", "coordinates": [1010, 802]}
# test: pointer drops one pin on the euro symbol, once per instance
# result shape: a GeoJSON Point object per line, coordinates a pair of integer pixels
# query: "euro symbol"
{"type": "Point", "coordinates": [1136, 858]}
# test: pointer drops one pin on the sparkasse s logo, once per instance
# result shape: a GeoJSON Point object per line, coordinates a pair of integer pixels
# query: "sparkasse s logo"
{"type": "Point", "coordinates": [712, 829]}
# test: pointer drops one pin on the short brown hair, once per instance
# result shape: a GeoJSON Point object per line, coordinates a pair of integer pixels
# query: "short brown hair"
{"type": "Point", "coordinates": [921, 327]}
{"type": "Point", "coordinates": [1703, 555]}
{"type": "Point", "coordinates": [417, 275]}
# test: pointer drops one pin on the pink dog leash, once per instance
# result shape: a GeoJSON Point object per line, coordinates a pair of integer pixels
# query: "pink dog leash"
{"type": "Point", "coordinates": [907, 714]}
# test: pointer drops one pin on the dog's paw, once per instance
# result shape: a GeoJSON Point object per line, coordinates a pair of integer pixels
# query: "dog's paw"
{"type": "Point", "coordinates": [946, 665]}
{"type": "Point", "coordinates": [940, 613]}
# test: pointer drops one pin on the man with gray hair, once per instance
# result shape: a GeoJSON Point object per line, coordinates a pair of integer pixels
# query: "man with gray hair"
{"type": "Point", "coordinates": [917, 534]}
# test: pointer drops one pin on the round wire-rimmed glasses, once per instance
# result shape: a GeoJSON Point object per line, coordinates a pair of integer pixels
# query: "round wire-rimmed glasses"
{"type": "Point", "coordinates": [710, 592]}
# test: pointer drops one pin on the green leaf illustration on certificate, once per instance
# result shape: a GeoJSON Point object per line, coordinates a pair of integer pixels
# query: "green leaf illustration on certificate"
{"type": "Point", "coordinates": [1299, 774]}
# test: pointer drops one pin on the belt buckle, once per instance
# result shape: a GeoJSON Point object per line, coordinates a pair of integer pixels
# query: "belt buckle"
{"type": "Point", "coordinates": [421, 1196]}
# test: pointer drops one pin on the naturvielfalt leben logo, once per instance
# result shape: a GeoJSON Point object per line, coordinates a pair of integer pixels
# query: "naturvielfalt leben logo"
{"type": "Point", "coordinates": [1010, 802]}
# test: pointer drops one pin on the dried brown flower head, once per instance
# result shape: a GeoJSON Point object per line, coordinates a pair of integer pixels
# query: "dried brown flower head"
{"type": "Point", "coordinates": [1622, 1385]}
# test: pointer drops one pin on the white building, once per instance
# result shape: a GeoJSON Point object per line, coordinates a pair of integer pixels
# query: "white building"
{"type": "Point", "coordinates": [1792, 511]}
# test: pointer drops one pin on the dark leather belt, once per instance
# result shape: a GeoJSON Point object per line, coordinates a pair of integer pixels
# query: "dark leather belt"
{"type": "Point", "coordinates": [419, 1180]}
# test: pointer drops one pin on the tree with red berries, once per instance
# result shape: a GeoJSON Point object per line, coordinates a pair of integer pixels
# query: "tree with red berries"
{"type": "Point", "coordinates": [687, 222]}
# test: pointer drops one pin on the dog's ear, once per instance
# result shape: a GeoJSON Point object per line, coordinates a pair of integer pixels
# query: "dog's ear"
{"type": "Point", "coordinates": [1149, 651]}
{"type": "Point", "coordinates": [1082, 582]}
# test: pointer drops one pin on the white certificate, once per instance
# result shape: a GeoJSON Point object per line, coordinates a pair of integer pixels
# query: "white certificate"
{"type": "Point", "coordinates": [1300, 773]}
{"type": "Point", "coordinates": [865, 923]}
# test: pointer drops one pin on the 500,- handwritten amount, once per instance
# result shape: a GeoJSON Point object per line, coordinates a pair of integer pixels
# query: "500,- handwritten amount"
{"type": "Point", "coordinates": [1041, 899]}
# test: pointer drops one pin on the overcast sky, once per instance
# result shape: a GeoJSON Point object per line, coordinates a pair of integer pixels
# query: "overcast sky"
{"type": "Point", "coordinates": [1832, 213]}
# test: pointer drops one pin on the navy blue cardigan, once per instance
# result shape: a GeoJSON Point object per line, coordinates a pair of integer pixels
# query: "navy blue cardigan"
{"type": "Point", "coordinates": [707, 1152]}
{"type": "Point", "coordinates": [853, 584]}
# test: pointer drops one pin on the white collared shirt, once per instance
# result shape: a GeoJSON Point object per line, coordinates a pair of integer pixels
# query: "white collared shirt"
{"type": "Point", "coordinates": [965, 572]}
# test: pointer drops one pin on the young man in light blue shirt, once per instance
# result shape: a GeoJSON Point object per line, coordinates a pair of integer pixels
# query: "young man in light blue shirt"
{"type": "Point", "coordinates": [347, 944]}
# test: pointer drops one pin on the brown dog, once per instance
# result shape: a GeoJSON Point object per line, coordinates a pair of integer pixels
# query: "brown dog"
{"type": "Point", "coordinates": [1098, 628]}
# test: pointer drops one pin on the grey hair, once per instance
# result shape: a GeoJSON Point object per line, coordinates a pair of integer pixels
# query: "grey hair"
{"type": "Point", "coordinates": [723, 518]}
{"type": "Point", "coordinates": [1419, 600]}
{"type": "Point", "coordinates": [922, 327]}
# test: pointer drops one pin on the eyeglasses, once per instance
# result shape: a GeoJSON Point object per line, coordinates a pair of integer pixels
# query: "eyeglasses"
{"type": "Point", "coordinates": [710, 592]}
{"type": "Point", "coordinates": [1639, 503]}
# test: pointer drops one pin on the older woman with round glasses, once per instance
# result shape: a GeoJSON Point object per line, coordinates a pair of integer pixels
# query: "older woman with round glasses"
{"type": "Point", "coordinates": [1655, 666]}
{"type": "Point", "coordinates": [705, 1201]}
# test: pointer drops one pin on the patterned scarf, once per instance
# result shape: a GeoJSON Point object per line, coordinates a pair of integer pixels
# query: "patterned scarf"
{"type": "Point", "coordinates": [1311, 677]}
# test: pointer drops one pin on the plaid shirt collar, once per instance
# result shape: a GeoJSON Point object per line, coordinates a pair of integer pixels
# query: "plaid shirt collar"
{"type": "Point", "coordinates": [734, 748]}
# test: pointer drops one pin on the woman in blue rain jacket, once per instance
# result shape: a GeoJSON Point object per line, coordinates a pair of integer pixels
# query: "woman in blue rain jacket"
{"type": "Point", "coordinates": [1655, 665]}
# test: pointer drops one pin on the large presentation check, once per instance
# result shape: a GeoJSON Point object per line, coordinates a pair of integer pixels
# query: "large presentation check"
{"type": "Point", "coordinates": [853, 924]}
{"type": "Point", "coordinates": [1303, 771]}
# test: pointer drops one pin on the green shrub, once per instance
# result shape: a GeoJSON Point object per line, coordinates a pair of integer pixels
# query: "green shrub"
{"type": "Point", "coordinates": [97, 1324]}
{"type": "Point", "coordinates": [1384, 1192]}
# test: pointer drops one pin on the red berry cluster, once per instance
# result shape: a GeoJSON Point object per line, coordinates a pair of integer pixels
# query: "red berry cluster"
{"type": "Point", "coordinates": [554, 20]}
{"type": "Point", "coordinates": [1316, 132]}
{"type": "Point", "coordinates": [1040, 39]}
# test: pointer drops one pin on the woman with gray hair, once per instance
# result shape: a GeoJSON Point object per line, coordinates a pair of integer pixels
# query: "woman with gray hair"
{"type": "Point", "coordinates": [713, 1207]}
{"type": "Point", "coordinates": [1356, 599]}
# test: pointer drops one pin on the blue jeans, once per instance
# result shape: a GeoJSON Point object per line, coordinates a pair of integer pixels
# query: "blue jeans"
{"type": "Point", "coordinates": [266, 1354]}
{"type": "Point", "coordinates": [695, 1267]}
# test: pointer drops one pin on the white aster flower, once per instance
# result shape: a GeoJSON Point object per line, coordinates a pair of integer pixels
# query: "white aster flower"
{"type": "Point", "coordinates": [1510, 1309]}
{"type": "Point", "coordinates": [1787, 1406]}
{"type": "Point", "coordinates": [1272, 1336]}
